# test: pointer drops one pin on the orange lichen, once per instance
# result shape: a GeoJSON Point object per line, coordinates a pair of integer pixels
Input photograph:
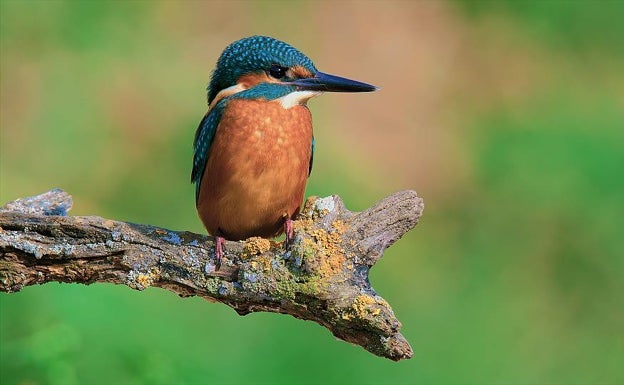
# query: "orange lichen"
{"type": "Point", "coordinates": [262, 263]}
{"type": "Point", "coordinates": [303, 224]}
{"type": "Point", "coordinates": [256, 246]}
{"type": "Point", "coordinates": [329, 256]}
{"type": "Point", "coordinates": [144, 280]}
{"type": "Point", "coordinates": [362, 307]}
{"type": "Point", "coordinates": [340, 226]}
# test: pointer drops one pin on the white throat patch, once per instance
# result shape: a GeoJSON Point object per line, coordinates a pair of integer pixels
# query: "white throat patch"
{"type": "Point", "coordinates": [297, 98]}
{"type": "Point", "coordinates": [227, 92]}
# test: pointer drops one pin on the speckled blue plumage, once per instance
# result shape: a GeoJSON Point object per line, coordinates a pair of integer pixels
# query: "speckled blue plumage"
{"type": "Point", "coordinates": [203, 140]}
{"type": "Point", "coordinates": [253, 54]}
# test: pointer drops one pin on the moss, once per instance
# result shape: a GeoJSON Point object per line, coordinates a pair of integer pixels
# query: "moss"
{"type": "Point", "coordinates": [308, 249]}
{"type": "Point", "coordinates": [289, 288]}
{"type": "Point", "coordinates": [212, 285]}
{"type": "Point", "coordinates": [286, 289]}
{"type": "Point", "coordinates": [312, 287]}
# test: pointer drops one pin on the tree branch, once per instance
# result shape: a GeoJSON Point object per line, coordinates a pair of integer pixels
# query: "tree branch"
{"type": "Point", "coordinates": [322, 276]}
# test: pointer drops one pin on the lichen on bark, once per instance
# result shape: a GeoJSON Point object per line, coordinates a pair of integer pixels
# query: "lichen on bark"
{"type": "Point", "coordinates": [322, 276]}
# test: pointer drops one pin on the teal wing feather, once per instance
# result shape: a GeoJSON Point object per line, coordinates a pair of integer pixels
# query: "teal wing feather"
{"type": "Point", "coordinates": [201, 146]}
{"type": "Point", "coordinates": [311, 156]}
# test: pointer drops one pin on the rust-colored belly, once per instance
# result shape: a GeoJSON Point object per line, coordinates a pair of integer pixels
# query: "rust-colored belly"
{"type": "Point", "coordinates": [257, 169]}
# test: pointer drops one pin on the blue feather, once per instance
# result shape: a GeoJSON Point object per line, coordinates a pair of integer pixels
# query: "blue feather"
{"type": "Point", "coordinates": [253, 54]}
{"type": "Point", "coordinates": [311, 156]}
{"type": "Point", "coordinates": [203, 140]}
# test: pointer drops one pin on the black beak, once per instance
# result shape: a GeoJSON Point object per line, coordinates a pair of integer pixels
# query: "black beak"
{"type": "Point", "coordinates": [329, 83]}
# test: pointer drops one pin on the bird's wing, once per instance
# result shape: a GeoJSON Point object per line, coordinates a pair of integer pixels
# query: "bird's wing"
{"type": "Point", "coordinates": [201, 146]}
{"type": "Point", "coordinates": [311, 157]}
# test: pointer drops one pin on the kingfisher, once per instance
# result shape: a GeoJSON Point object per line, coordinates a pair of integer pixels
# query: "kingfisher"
{"type": "Point", "coordinates": [253, 149]}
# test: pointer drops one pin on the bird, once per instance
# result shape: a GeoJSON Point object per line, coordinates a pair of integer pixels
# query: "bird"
{"type": "Point", "coordinates": [254, 148]}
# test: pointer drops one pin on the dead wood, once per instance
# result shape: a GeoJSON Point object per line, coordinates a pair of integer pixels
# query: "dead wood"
{"type": "Point", "coordinates": [322, 276]}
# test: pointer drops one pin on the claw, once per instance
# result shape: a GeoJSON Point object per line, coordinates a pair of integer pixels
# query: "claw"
{"type": "Point", "coordinates": [219, 241]}
{"type": "Point", "coordinates": [289, 231]}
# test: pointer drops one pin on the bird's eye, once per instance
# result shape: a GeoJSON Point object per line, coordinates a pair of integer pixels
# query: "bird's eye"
{"type": "Point", "coordinates": [277, 71]}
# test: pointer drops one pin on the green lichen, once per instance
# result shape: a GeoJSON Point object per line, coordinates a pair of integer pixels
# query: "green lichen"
{"type": "Point", "coordinates": [211, 285]}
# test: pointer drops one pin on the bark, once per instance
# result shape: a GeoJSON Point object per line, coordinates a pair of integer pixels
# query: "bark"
{"type": "Point", "coordinates": [322, 276]}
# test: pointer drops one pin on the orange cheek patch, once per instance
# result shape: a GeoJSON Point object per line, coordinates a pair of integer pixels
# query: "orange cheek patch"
{"type": "Point", "coordinates": [301, 72]}
{"type": "Point", "coordinates": [252, 79]}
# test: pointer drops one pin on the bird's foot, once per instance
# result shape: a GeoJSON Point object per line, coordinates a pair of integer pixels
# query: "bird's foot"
{"type": "Point", "coordinates": [289, 231]}
{"type": "Point", "coordinates": [219, 241]}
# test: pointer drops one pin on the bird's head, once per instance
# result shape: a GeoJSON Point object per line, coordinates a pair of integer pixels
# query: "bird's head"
{"type": "Point", "coordinates": [280, 68]}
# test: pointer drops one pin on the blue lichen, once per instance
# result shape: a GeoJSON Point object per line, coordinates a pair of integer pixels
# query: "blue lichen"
{"type": "Point", "coordinates": [251, 277]}
{"type": "Point", "coordinates": [209, 267]}
{"type": "Point", "coordinates": [323, 204]}
{"type": "Point", "coordinates": [172, 238]}
{"type": "Point", "coordinates": [61, 209]}
{"type": "Point", "coordinates": [63, 249]}
{"type": "Point", "coordinates": [116, 235]}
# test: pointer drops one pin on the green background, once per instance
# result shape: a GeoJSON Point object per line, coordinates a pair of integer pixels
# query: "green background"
{"type": "Point", "coordinates": [506, 117]}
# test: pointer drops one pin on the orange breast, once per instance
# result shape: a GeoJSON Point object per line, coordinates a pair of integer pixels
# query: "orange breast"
{"type": "Point", "coordinates": [256, 173]}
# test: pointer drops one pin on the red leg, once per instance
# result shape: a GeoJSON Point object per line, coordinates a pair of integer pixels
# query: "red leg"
{"type": "Point", "coordinates": [288, 229]}
{"type": "Point", "coordinates": [219, 241]}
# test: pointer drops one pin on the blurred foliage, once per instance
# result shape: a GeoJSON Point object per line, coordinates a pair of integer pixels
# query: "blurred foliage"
{"type": "Point", "coordinates": [514, 274]}
{"type": "Point", "coordinates": [570, 24]}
